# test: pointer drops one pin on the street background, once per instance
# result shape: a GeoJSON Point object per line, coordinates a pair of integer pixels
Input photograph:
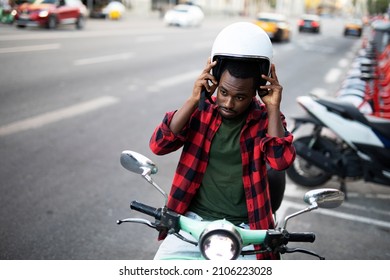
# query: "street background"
{"type": "Point", "coordinates": [72, 101]}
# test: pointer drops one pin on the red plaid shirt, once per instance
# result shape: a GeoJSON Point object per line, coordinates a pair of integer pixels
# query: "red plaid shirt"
{"type": "Point", "coordinates": [257, 149]}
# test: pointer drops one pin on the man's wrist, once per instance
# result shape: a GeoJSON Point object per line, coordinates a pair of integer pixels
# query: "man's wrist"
{"type": "Point", "coordinates": [273, 109]}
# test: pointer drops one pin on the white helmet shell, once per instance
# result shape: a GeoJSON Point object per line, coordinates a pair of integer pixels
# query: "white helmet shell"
{"type": "Point", "coordinates": [243, 40]}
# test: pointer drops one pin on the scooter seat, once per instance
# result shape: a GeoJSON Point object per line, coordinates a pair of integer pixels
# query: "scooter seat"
{"type": "Point", "coordinates": [349, 111]}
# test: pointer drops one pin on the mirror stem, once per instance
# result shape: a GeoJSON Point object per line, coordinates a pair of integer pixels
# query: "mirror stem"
{"type": "Point", "coordinates": [150, 180]}
{"type": "Point", "coordinates": [313, 206]}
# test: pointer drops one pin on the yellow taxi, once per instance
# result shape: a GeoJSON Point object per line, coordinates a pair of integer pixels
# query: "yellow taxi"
{"type": "Point", "coordinates": [353, 27]}
{"type": "Point", "coordinates": [276, 26]}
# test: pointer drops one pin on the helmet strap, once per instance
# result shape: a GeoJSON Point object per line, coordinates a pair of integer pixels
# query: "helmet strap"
{"type": "Point", "coordinates": [203, 95]}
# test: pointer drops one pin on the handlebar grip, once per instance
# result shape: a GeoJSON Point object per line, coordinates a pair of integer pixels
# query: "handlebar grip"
{"type": "Point", "coordinates": [301, 237]}
{"type": "Point", "coordinates": [146, 209]}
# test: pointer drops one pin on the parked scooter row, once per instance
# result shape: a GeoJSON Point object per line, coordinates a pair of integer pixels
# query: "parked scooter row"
{"type": "Point", "coordinates": [349, 134]}
{"type": "Point", "coordinates": [367, 84]}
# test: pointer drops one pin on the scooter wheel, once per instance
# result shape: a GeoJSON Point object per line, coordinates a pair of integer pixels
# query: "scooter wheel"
{"type": "Point", "coordinates": [306, 174]}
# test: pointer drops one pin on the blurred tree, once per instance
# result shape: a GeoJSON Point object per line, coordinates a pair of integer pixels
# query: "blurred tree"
{"type": "Point", "coordinates": [378, 6]}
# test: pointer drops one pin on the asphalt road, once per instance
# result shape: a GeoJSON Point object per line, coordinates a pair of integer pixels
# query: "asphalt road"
{"type": "Point", "coordinates": [72, 100]}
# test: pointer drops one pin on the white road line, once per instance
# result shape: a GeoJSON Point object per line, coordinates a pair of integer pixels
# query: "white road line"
{"type": "Point", "coordinates": [288, 204]}
{"type": "Point", "coordinates": [333, 75]}
{"type": "Point", "coordinates": [30, 48]}
{"type": "Point", "coordinates": [294, 192]}
{"type": "Point", "coordinates": [344, 62]}
{"type": "Point", "coordinates": [311, 46]}
{"type": "Point", "coordinates": [76, 35]}
{"type": "Point", "coordinates": [319, 92]}
{"type": "Point", "coordinates": [102, 59]}
{"type": "Point", "coordinates": [58, 115]}
{"type": "Point", "coordinates": [178, 79]}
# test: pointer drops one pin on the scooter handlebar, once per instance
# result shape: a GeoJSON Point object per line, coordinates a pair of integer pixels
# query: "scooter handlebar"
{"type": "Point", "coordinates": [301, 237]}
{"type": "Point", "coordinates": [146, 209]}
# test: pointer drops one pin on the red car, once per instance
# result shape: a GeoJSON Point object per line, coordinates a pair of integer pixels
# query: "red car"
{"type": "Point", "coordinates": [51, 13]}
{"type": "Point", "coordinates": [309, 23]}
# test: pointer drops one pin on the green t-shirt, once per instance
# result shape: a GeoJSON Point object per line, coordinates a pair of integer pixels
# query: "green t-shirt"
{"type": "Point", "coordinates": [221, 194]}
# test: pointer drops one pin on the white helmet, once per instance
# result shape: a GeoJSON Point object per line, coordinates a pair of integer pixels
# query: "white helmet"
{"type": "Point", "coordinates": [244, 41]}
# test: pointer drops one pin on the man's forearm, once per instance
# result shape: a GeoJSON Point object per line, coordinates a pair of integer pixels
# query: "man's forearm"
{"type": "Point", "coordinates": [183, 115]}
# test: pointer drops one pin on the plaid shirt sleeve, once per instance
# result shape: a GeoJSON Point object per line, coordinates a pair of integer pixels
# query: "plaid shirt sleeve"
{"type": "Point", "coordinates": [280, 152]}
{"type": "Point", "coordinates": [163, 140]}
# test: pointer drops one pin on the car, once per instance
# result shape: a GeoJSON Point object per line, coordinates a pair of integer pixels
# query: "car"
{"type": "Point", "coordinates": [309, 23]}
{"type": "Point", "coordinates": [51, 13]}
{"type": "Point", "coordinates": [184, 15]}
{"type": "Point", "coordinates": [276, 26]}
{"type": "Point", "coordinates": [114, 10]}
{"type": "Point", "coordinates": [353, 27]}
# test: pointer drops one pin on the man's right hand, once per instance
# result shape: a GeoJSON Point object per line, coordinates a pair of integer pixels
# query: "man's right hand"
{"type": "Point", "coordinates": [183, 115]}
{"type": "Point", "coordinates": [205, 80]}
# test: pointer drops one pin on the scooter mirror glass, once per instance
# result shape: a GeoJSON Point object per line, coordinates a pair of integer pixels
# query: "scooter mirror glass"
{"type": "Point", "coordinates": [325, 198]}
{"type": "Point", "coordinates": [137, 163]}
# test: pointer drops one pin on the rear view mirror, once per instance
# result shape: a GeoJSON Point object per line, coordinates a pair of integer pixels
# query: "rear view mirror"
{"type": "Point", "coordinates": [325, 198]}
{"type": "Point", "coordinates": [137, 163]}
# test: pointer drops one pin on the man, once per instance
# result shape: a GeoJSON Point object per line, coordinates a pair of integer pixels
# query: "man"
{"type": "Point", "coordinates": [222, 172]}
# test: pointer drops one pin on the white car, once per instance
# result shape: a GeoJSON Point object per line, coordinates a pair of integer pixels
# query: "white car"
{"type": "Point", "coordinates": [184, 15]}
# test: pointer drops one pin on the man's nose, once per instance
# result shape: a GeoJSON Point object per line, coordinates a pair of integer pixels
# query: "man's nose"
{"type": "Point", "coordinates": [229, 104]}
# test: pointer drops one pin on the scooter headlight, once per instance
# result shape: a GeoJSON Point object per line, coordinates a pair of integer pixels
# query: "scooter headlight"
{"type": "Point", "coordinates": [220, 240]}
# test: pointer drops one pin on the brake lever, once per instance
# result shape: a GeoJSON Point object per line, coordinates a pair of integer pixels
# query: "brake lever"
{"type": "Point", "coordinates": [137, 220]}
{"type": "Point", "coordinates": [300, 250]}
{"type": "Point", "coordinates": [178, 235]}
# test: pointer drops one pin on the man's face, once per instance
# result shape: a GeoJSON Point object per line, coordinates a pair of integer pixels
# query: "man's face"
{"type": "Point", "coordinates": [234, 95]}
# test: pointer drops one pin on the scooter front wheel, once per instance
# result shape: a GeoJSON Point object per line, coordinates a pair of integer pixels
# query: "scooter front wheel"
{"type": "Point", "coordinates": [304, 173]}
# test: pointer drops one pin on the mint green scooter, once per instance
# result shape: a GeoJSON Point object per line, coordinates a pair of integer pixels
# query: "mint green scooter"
{"type": "Point", "coordinates": [221, 239]}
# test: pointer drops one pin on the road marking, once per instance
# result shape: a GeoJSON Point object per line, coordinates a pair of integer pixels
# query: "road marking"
{"type": "Point", "coordinates": [174, 80]}
{"type": "Point", "coordinates": [30, 48]}
{"type": "Point", "coordinates": [58, 115]}
{"type": "Point", "coordinates": [333, 75]}
{"type": "Point", "coordinates": [368, 209]}
{"type": "Point", "coordinates": [309, 46]}
{"type": "Point", "coordinates": [178, 79]}
{"type": "Point", "coordinates": [289, 204]}
{"type": "Point", "coordinates": [294, 192]}
{"type": "Point", "coordinates": [103, 59]}
{"type": "Point", "coordinates": [78, 35]}
{"type": "Point", "coordinates": [344, 62]}
{"type": "Point", "coordinates": [319, 92]}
